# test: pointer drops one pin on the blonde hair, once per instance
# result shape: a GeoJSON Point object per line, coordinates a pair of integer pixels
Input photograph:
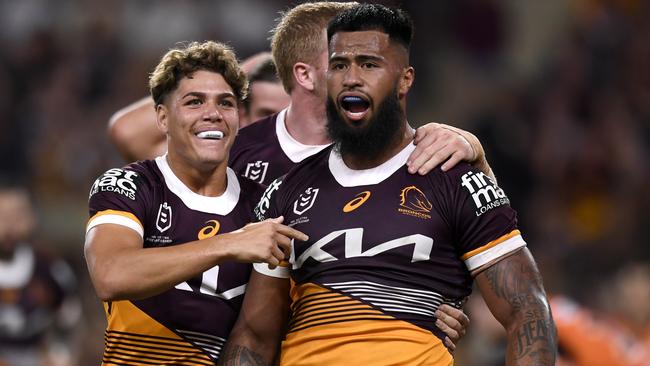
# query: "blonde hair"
{"type": "Point", "coordinates": [181, 62]}
{"type": "Point", "coordinates": [298, 36]}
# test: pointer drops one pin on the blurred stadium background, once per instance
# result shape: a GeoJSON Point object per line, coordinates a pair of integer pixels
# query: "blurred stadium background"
{"type": "Point", "coordinates": [558, 91]}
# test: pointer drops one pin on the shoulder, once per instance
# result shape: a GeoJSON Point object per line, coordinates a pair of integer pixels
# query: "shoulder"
{"type": "Point", "coordinates": [250, 189]}
{"type": "Point", "coordinates": [310, 166]}
{"type": "Point", "coordinates": [463, 175]}
{"type": "Point", "coordinates": [257, 133]}
{"type": "Point", "coordinates": [128, 180]}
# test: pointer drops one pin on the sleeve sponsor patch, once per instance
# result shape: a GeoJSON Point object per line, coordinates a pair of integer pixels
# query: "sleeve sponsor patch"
{"type": "Point", "coordinates": [485, 194]}
{"type": "Point", "coordinates": [118, 181]}
{"type": "Point", "coordinates": [262, 209]}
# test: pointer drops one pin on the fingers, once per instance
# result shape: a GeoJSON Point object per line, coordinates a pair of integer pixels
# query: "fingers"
{"type": "Point", "coordinates": [440, 155]}
{"type": "Point", "coordinates": [439, 146]}
{"type": "Point", "coordinates": [456, 314]}
{"type": "Point", "coordinates": [424, 131]}
{"type": "Point", "coordinates": [452, 321]}
{"type": "Point", "coordinates": [291, 232]}
{"type": "Point", "coordinates": [423, 152]}
{"type": "Point", "coordinates": [450, 344]}
{"type": "Point", "coordinates": [473, 141]}
{"type": "Point", "coordinates": [449, 331]}
{"type": "Point", "coordinates": [454, 159]}
{"type": "Point", "coordinates": [284, 244]}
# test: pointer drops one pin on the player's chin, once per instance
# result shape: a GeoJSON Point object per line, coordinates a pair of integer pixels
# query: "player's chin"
{"type": "Point", "coordinates": [214, 155]}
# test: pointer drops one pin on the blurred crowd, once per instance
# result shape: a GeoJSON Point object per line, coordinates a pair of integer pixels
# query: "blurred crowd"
{"type": "Point", "coordinates": [557, 91]}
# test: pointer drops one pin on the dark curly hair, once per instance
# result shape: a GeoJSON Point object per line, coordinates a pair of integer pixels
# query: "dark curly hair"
{"type": "Point", "coordinates": [181, 62]}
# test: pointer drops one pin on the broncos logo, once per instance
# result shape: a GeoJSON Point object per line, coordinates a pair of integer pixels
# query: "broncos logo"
{"type": "Point", "coordinates": [412, 198]}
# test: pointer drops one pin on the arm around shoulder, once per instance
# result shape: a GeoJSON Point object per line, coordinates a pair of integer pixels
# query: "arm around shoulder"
{"type": "Point", "coordinates": [133, 131]}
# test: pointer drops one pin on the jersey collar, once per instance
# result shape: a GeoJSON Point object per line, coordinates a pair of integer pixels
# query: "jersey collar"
{"type": "Point", "coordinates": [220, 205]}
{"type": "Point", "coordinates": [347, 177]}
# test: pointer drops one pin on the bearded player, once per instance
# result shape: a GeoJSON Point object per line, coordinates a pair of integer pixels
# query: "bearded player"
{"type": "Point", "coordinates": [386, 248]}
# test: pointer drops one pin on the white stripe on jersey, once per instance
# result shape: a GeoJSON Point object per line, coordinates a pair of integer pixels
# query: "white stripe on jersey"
{"type": "Point", "coordinates": [495, 252]}
{"type": "Point", "coordinates": [277, 272]}
{"type": "Point", "coordinates": [116, 219]}
{"type": "Point", "coordinates": [394, 299]}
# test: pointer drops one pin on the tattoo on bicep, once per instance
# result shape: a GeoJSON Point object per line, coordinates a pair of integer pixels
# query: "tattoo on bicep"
{"type": "Point", "coordinates": [518, 283]}
{"type": "Point", "coordinates": [243, 356]}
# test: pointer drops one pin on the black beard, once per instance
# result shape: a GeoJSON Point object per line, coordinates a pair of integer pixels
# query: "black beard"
{"type": "Point", "coordinates": [371, 141]}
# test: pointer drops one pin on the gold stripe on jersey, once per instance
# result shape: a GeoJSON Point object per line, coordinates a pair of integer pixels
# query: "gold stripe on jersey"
{"type": "Point", "coordinates": [491, 244]}
{"type": "Point", "coordinates": [115, 212]}
{"type": "Point", "coordinates": [328, 328]}
{"type": "Point", "coordinates": [134, 338]}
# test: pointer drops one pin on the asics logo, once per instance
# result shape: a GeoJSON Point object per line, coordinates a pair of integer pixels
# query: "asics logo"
{"type": "Point", "coordinates": [356, 202]}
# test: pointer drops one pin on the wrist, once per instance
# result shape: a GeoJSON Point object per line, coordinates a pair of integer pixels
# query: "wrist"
{"type": "Point", "coordinates": [222, 247]}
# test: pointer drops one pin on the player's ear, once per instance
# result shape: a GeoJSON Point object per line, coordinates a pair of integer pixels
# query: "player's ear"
{"type": "Point", "coordinates": [406, 80]}
{"type": "Point", "coordinates": [304, 75]}
{"type": "Point", "coordinates": [162, 118]}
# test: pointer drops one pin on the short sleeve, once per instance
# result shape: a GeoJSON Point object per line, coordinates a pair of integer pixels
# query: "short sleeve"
{"type": "Point", "coordinates": [483, 223]}
{"type": "Point", "coordinates": [267, 207]}
{"type": "Point", "coordinates": [119, 196]}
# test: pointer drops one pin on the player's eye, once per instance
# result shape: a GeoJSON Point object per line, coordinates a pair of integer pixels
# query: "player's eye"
{"type": "Point", "coordinates": [369, 65]}
{"type": "Point", "coordinates": [227, 103]}
{"type": "Point", "coordinates": [193, 102]}
{"type": "Point", "coordinates": [337, 66]}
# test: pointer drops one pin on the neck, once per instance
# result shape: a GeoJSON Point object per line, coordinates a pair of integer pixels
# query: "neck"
{"type": "Point", "coordinates": [207, 180]}
{"type": "Point", "coordinates": [306, 120]}
{"type": "Point", "coordinates": [360, 162]}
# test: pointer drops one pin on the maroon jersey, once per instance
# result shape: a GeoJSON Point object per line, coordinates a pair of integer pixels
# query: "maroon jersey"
{"type": "Point", "coordinates": [190, 322]}
{"type": "Point", "coordinates": [386, 248]}
{"type": "Point", "coordinates": [264, 150]}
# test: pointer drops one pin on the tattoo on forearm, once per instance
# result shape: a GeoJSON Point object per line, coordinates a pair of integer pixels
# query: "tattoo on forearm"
{"type": "Point", "coordinates": [242, 356]}
{"type": "Point", "coordinates": [518, 283]}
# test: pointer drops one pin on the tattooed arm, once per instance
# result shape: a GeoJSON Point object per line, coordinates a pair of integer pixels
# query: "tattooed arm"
{"type": "Point", "coordinates": [513, 290]}
{"type": "Point", "coordinates": [255, 339]}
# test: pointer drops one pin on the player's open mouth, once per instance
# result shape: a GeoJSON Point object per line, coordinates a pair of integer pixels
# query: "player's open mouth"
{"type": "Point", "coordinates": [210, 135]}
{"type": "Point", "coordinates": [354, 106]}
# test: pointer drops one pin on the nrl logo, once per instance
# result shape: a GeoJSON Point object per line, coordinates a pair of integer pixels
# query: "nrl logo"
{"type": "Point", "coordinates": [305, 201]}
{"type": "Point", "coordinates": [256, 171]}
{"type": "Point", "coordinates": [164, 219]}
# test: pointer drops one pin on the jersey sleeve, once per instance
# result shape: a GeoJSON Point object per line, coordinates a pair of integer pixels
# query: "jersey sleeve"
{"type": "Point", "coordinates": [483, 223]}
{"type": "Point", "coordinates": [119, 196]}
{"type": "Point", "coordinates": [268, 208]}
